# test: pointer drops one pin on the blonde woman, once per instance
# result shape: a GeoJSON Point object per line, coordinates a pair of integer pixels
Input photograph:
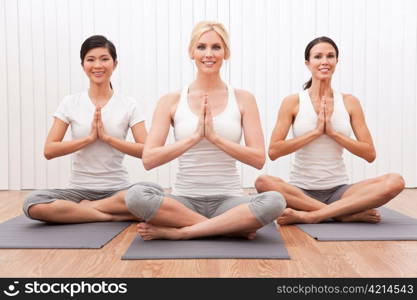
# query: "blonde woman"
{"type": "Point", "coordinates": [209, 118]}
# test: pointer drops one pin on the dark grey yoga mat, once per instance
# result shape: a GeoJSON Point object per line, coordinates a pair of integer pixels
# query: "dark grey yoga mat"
{"type": "Point", "coordinates": [22, 232]}
{"type": "Point", "coordinates": [394, 226]}
{"type": "Point", "coordinates": [267, 245]}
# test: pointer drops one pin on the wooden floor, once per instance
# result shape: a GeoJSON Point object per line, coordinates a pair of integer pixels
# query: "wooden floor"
{"type": "Point", "coordinates": [309, 258]}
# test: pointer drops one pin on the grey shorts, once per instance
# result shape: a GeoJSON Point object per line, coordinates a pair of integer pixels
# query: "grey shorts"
{"type": "Point", "coordinates": [212, 206]}
{"type": "Point", "coordinates": [143, 201]}
{"type": "Point", "coordinates": [327, 196]}
{"type": "Point", "coordinates": [74, 195]}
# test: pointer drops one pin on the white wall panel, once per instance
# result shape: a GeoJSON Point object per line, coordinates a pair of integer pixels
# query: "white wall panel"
{"type": "Point", "coordinates": [40, 125]}
{"type": "Point", "coordinates": [281, 166]}
{"type": "Point", "coordinates": [13, 93]}
{"type": "Point", "coordinates": [358, 72]}
{"type": "Point", "coordinates": [4, 111]}
{"type": "Point", "coordinates": [26, 83]}
{"type": "Point", "coordinates": [409, 86]}
{"type": "Point", "coordinates": [53, 96]}
{"type": "Point", "coordinates": [68, 74]}
{"type": "Point", "coordinates": [39, 64]}
{"type": "Point", "coordinates": [371, 97]}
{"type": "Point", "coordinates": [150, 61]}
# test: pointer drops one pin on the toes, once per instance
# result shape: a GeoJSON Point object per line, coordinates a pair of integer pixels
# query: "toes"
{"type": "Point", "coordinates": [142, 225]}
{"type": "Point", "coordinates": [281, 221]}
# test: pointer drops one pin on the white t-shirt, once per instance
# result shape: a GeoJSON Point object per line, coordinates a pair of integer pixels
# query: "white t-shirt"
{"type": "Point", "coordinates": [98, 166]}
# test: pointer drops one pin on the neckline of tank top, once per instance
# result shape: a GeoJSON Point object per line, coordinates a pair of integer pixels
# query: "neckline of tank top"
{"type": "Point", "coordinates": [335, 95]}
{"type": "Point", "coordinates": [229, 97]}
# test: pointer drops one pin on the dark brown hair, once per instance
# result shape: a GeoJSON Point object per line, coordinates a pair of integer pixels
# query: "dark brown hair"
{"type": "Point", "coordinates": [98, 41]}
{"type": "Point", "coordinates": [322, 39]}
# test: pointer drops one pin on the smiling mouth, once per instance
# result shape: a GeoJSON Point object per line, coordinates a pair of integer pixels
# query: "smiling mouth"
{"type": "Point", "coordinates": [208, 63]}
{"type": "Point", "coordinates": [98, 73]}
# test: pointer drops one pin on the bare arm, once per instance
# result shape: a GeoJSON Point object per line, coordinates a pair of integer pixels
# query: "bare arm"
{"type": "Point", "coordinates": [54, 146]}
{"type": "Point", "coordinates": [253, 152]}
{"type": "Point", "coordinates": [363, 146]}
{"type": "Point", "coordinates": [131, 148]}
{"type": "Point", "coordinates": [155, 152]}
{"type": "Point", "coordinates": [279, 146]}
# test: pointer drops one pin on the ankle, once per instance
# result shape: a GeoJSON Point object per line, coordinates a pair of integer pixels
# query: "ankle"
{"type": "Point", "coordinates": [184, 233]}
{"type": "Point", "coordinates": [312, 217]}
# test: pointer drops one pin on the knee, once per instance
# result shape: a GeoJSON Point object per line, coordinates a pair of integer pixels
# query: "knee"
{"type": "Point", "coordinates": [265, 183]}
{"type": "Point", "coordinates": [393, 184]}
{"type": "Point", "coordinates": [142, 200]}
{"type": "Point", "coordinates": [275, 203]}
{"type": "Point", "coordinates": [270, 205]}
{"type": "Point", "coordinates": [156, 187]}
{"type": "Point", "coordinates": [35, 212]}
{"type": "Point", "coordinates": [42, 211]}
{"type": "Point", "coordinates": [33, 205]}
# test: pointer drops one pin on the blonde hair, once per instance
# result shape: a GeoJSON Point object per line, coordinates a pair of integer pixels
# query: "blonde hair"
{"type": "Point", "coordinates": [205, 26]}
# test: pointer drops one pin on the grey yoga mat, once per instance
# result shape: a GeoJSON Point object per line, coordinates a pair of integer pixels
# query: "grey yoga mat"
{"type": "Point", "coordinates": [267, 245]}
{"type": "Point", "coordinates": [394, 226]}
{"type": "Point", "coordinates": [22, 232]}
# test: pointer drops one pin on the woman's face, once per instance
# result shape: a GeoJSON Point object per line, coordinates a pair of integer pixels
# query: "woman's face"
{"type": "Point", "coordinates": [322, 63]}
{"type": "Point", "coordinates": [208, 53]}
{"type": "Point", "coordinates": [98, 65]}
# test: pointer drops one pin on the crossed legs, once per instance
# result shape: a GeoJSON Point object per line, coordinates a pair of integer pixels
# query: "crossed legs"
{"type": "Point", "coordinates": [167, 218]}
{"type": "Point", "coordinates": [188, 224]}
{"type": "Point", "coordinates": [112, 208]}
{"type": "Point", "coordinates": [357, 204]}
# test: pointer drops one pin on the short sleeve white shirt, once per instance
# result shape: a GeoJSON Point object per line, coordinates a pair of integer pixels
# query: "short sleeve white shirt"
{"type": "Point", "coordinates": [99, 166]}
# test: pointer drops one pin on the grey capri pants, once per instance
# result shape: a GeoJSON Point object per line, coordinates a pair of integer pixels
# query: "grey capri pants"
{"type": "Point", "coordinates": [74, 195]}
{"type": "Point", "coordinates": [143, 200]}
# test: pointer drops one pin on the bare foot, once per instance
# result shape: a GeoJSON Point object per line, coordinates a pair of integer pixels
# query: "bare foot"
{"type": "Point", "coordinates": [368, 216]}
{"type": "Point", "coordinates": [152, 232]}
{"type": "Point", "coordinates": [292, 216]}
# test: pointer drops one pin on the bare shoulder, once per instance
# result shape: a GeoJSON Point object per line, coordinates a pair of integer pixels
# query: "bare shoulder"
{"type": "Point", "coordinates": [170, 98]}
{"type": "Point", "coordinates": [245, 100]}
{"type": "Point", "coordinates": [244, 96]}
{"type": "Point", "coordinates": [291, 100]}
{"type": "Point", "coordinates": [290, 104]}
{"type": "Point", "coordinates": [170, 101]}
{"type": "Point", "coordinates": [351, 102]}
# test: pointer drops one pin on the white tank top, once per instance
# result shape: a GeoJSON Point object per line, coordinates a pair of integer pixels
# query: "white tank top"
{"type": "Point", "coordinates": [205, 170]}
{"type": "Point", "coordinates": [319, 164]}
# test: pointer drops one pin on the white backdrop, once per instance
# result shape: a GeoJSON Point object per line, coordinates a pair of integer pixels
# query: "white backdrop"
{"type": "Point", "coordinates": [39, 65]}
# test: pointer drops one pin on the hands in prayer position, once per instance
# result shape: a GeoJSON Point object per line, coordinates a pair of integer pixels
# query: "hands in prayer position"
{"type": "Point", "coordinates": [205, 122]}
{"type": "Point", "coordinates": [324, 125]}
{"type": "Point", "coordinates": [97, 127]}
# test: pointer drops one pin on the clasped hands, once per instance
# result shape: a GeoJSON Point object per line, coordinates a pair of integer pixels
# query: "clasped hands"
{"type": "Point", "coordinates": [97, 127]}
{"type": "Point", "coordinates": [205, 123]}
{"type": "Point", "coordinates": [324, 125]}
